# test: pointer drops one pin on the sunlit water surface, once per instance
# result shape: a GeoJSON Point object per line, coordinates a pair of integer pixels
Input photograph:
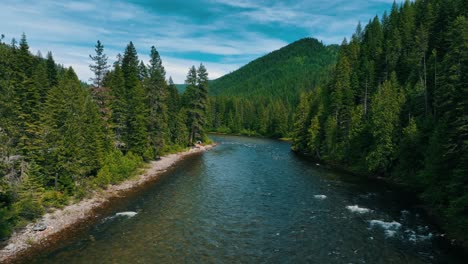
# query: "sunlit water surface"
{"type": "Point", "coordinates": [252, 200]}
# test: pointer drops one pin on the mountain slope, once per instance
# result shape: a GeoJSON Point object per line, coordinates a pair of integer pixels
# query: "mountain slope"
{"type": "Point", "coordinates": [260, 97]}
{"type": "Point", "coordinates": [280, 74]}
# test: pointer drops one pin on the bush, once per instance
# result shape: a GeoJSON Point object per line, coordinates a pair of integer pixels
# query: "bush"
{"type": "Point", "coordinates": [248, 132]}
{"type": "Point", "coordinates": [117, 168]}
{"type": "Point", "coordinates": [52, 198]}
{"type": "Point", "coordinates": [7, 221]}
{"type": "Point", "coordinates": [206, 140]}
{"type": "Point", "coordinates": [29, 209]}
{"type": "Point", "coordinates": [223, 130]}
{"type": "Point", "coordinates": [8, 215]}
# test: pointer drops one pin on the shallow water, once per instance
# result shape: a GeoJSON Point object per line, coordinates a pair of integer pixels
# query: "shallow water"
{"type": "Point", "coordinates": [252, 200]}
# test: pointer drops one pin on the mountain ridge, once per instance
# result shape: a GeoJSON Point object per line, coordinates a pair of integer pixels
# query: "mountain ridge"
{"type": "Point", "coordinates": [287, 71]}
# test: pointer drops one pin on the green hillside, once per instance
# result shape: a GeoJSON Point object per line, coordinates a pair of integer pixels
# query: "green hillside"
{"type": "Point", "coordinates": [260, 97]}
{"type": "Point", "coordinates": [296, 67]}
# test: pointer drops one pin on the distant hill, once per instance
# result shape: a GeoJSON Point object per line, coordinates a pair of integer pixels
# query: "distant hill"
{"type": "Point", "coordinates": [283, 73]}
{"type": "Point", "coordinates": [260, 97]}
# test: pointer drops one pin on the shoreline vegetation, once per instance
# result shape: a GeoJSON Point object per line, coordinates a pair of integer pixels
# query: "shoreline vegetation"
{"type": "Point", "coordinates": [61, 220]}
{"type": "Point", "coordinates": [393, 103]}
{"type": "Point", "coordinates": [62, 139]}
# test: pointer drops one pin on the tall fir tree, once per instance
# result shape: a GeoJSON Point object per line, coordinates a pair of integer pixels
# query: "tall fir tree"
{"type": "Point", "coordinates": [136, 134]}
{"type": "Point", "coordinates": [197, 94]}
{"type": "Point", "coordinates": [100, 66]}
{"type": "Point", "coordinates": [157, 92]}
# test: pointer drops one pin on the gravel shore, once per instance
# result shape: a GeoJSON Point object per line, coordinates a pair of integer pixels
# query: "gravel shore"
{"type": "Point", "coordinates": [24, 240]}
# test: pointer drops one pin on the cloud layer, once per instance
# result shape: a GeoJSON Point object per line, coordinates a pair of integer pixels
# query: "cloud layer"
{"type": "Point", "coordinates": [222, 34]}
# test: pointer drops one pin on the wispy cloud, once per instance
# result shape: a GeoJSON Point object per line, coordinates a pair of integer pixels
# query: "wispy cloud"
{"type": "Point", "coordinates": [223, 34]}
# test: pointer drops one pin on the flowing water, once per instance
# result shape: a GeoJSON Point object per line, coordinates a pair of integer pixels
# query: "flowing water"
{"type": "Point", "coordinates": [253, 200]}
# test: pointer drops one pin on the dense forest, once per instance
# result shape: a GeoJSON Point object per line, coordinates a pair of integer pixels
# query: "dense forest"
{"type": "Point", "coordinates": [260, 97]}
{"type": "Point", "coordinates": [61, 138]}
{"type": "Point", "coordinates": [396, 105]}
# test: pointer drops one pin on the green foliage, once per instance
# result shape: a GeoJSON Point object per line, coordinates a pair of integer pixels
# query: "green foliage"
{"type": "Point", "coordinates": [30, 193]}
{"type": "Point", "coordinates": [52, 198]}
{"type": "Point", "coordinates": [283, 73]}
{"type": "Point", "coordinates": [117, 167]}
{"type": "Point", "coordinates": [74, 140]}
{"type": "Point", "coordinates": [396, 105]}
{"type": "Point", "coordinates": [8, 214]}
{"type": "Point", "coordinates": [60, 137]}
{"type": "Point", "coordinates": [136, 134]}
{"type": "Point", "coordinates": [100, 65]}
{"type": "Point", "coordinates": [157, 90]}
{"type": "Point", "coordinates": [196, 100]}
{"type": "Point", "coordinates": [384, 122]}
{"type": "Point", "coordinates": [261, 96]}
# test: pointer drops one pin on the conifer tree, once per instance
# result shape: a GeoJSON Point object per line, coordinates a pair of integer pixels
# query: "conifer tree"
{"type": "Point", "coordinates": [100, 66]}
{"type": "Point", "coordinates": [30, 192]}
{"type": "Point", "coordinates": [157, 103]}
{"type": "Point", "coordinates": [119, 108]}
{"type": "Point", "coordinates": [136, 132]}
{"type": "Point", "coordinates": [73, 141]}
{"type": "Point", "coordinates": [197, 93]}
{"type": "Point", "coordinates": [51, 70]}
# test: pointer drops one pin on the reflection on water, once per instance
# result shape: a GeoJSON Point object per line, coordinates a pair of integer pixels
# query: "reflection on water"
{"type": "Point", "coordinates": [252, 200]}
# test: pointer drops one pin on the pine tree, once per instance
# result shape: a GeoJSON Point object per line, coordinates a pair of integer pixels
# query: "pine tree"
{"type": "Point", "coordinates": [136, 135]}
{"type": "Point", "coordinates": [51, 70]}
{"type": "Point", "coordinates": [73, 138]}
{"type": "Point", "coordinates": [301, 124]}
{"type": "Point", "coordinates": [119, 109]}
{"type": "Point", "coordinates": [157, 103]}
{"type": "Point", "coordinates": [197, 93]}
{"type": "Point", "coordinates": [384, 122]}
{"type": "Point", "coordinates": [100, 65]}
{"type": "Point", "coordinates": [25, 60]}
{"type": "Point", "coordinates": [30, 192]}
{"type": "Point", "coordinates": [142, 71]}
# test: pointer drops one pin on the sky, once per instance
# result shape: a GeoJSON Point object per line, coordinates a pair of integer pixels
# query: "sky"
{"type": "Point", "coordinates": [222, 34]}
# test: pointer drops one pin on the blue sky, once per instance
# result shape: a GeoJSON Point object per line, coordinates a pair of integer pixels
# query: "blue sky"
{"type": "Point", "coordinates": [222, 34]}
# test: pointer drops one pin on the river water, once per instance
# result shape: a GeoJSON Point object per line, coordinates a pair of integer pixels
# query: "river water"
{"type": "Point", "coordinates": [252, 200]}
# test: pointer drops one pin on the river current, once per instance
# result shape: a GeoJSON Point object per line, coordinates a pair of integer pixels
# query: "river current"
{"type": "Point", "coordinates": [252, 200]}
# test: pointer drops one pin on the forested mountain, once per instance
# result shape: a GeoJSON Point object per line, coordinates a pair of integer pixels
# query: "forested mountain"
{"type": "Point", "coordinates": [396, 105]}
{"type": "Point", "coordinates": [283, 73]}
{"type": "Point", "coordinates": [59, 138]}
{"type": "Point", "coordinates": [260, 97]}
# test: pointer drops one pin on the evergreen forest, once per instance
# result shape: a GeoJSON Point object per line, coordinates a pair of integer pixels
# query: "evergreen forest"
{"type": "Point", "coordinates": [396, 105]}
{"type": "Point", "coordinates": [389, 102]}
{"type": "Point", "coordinates": [61, 138]}
{"type": "Point", "coordinates": [260, 97]}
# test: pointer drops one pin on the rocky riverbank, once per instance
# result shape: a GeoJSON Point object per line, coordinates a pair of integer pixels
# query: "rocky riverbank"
{"type": "Point", "coordinates": [48, 228]}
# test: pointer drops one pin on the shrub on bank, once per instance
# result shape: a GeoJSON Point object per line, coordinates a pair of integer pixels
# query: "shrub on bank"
{"type": "Point", "coordinates": [117, 167]}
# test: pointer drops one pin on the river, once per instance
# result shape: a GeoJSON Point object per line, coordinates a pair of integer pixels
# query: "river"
{"type": "Point", "coordinates": [253, 200]}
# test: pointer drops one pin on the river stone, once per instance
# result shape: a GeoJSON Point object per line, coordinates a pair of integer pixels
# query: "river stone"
{"type": "Point", "coordinates": [39, 227]}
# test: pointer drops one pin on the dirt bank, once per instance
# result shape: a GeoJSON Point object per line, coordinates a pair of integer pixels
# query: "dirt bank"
{"type": "Point", "coordinates": [25, 240]}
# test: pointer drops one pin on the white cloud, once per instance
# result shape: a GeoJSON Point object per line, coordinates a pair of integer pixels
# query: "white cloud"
{"type": "Point", "coordinates": [79, 6]}
{"type": "Point", "coordinates": [178, 68]}
{"type": "Point", "coordinates": [70, 29]}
